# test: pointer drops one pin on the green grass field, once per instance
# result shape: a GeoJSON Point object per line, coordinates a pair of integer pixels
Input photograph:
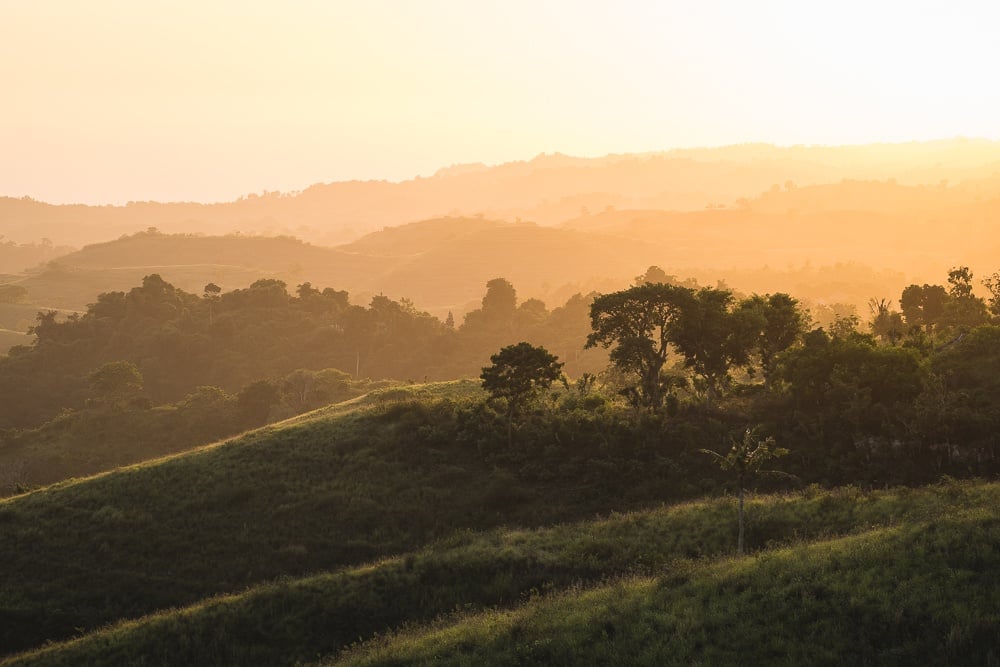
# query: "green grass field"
{"type": "Point", "coordinates": [543, 577]}
{"type": "Point", "coordinates": [921, 593]}
{"type": "Point", "coordinates": [381, 527]}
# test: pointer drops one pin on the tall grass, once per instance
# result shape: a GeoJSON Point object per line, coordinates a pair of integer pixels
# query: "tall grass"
{"type": "Point", "coordinates": [288, 621]}
{"type": "Point", "coordinates": [918, 593]}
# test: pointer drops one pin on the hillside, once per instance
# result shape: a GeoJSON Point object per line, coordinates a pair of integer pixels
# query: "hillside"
{"type": "Point", "coordinates": [678, 555]}
{"type": "Point", "coordinates": [547, 189]}
{"type": "Point", "coordinates": [917, 593]}
{"type": "Point", "coordinates": [916, 230]}
{"type": "Point", "coordinates": [442, 265]}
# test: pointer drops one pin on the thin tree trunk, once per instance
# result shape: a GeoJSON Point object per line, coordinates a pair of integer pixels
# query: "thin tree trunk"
{"type": "Point", "coordinates": [739, 541]}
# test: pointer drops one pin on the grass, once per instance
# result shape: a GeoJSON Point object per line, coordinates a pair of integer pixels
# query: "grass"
{"type": "Point", "coordinates": [918, 593]}
{"type": "Point", "coordinates": [283, 500]}
{"type": "Point", "coordinates": [90, 441]}
{"type": "Point", "coordinates": [293, 620]}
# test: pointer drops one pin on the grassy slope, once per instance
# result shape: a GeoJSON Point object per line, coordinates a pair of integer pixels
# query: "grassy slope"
{"type": "Point", "coordinates": [919, 593]}
{"type": "Point", "coordinates": [308, 495]}
{"type": "Point", "coordinates": [287, 621]}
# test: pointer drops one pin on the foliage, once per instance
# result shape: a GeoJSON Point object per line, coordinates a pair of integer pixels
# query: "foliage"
{"type": "Point", "coordinates": [638, 324]}
{"type": "Point", "coordinates": [114, 383]}
{"type": "Point", "coordinates": [745, 458]}
{"type": "Point", "coordinates": [180, 341]}
{"type": "Point", "coordinates": [518, 372]}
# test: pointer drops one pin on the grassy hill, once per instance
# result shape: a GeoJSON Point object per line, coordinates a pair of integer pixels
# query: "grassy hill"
{"type": "Point", "coordinates": [922, 593]}
{"type": "Point", "coordinates": [602, 591]}
{"type": "Point", "coordinates": [294, 541]}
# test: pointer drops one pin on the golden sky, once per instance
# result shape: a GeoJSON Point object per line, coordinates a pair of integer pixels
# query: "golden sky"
{"type": "Point", "coordinates": [109, 101]}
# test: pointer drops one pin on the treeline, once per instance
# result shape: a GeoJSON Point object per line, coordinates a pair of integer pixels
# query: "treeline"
{"type": "Point", "coordinates": [915, 397]}
{"type": "Point", "coordinates": [178, 342]}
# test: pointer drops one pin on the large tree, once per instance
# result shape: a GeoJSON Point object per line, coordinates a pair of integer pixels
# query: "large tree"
{"type": "Point", "coordinates": [772, 323]}
{"type": "Point", "coordinates": [638, 324]}
{"type": "Point", "coordinates": [517, 373]}
{"type": "Point", "coordinates": [964, 309]}
{"type": "Point", "coordinates": [924, 305]}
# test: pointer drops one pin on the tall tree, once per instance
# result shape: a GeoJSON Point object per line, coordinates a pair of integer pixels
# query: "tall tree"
{"type": "Point", "coordinates": [713, 338]}
{"type": "Point", "coordinates": [924, 305]}
{"type": "Point", "coordinates": [965, 309]}
{"type": "Point", "coordinates": [517, 373]}
{"type": "Point", "coordinates": [886, 323]}
{"type": "Point", "coordinates": [992, 284]}
{"type": "Point", "coordinates": [638, 325]}
{"type": "Point", "coordinates": [774, 322]}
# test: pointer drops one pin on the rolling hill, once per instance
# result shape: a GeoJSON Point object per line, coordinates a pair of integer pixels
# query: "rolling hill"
{"type": "Point", "coordinates": [386, 503]}
{"type": "Point", "coordinates": [547, 189]}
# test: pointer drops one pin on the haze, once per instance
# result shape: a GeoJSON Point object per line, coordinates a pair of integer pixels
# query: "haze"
{"type": "Point", "coordinates": [116, 101]}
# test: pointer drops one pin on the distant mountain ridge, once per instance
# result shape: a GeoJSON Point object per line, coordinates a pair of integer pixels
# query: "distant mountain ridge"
{"type": "Point", "coordinates": [547, 189]}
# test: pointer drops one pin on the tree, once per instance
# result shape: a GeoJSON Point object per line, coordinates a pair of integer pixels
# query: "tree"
{"type": "Point", "coordinates": [746, 458]}
{"type": "Point", "coordinates": [115, 383]}
{"type": "Point", "coordinates": [964, 309]}
{"type": "Point", "coordinates": [776, 321]}
{"type": "Point", "coordinates": [211, 295]}
{"type": "Point", "coordinates": [992, 284]}
{"type": "Point", "coordinates": [886, 323]}
{"type": "Point", "coordinates": [924, 305]}
{"type": "Point", "coordinates": [500, 302]}
{"type": "Point", "coordinates": [712, 337]}
{"type": "Point", "coordinates": [254, 403]}
{"type": "Point", "coordinates": [638, 324]}
{"type": "Point", "coordinates": [655, 274]}
{"type": "Point", "coordinates": [517, 373]}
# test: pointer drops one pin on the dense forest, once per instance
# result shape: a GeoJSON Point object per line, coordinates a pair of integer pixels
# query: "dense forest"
{"type": "Point", "coordinates": [157, 370]}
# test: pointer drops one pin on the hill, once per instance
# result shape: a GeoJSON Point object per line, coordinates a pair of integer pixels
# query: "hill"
{"type": "Point", "coordinates": [440, 264]}
{"type": "Point", "coordinates": [547, 189]}
{"type": "Point", "coordinates": [920, 593]}
{"type": "Point", "coordinates": [813, 550]}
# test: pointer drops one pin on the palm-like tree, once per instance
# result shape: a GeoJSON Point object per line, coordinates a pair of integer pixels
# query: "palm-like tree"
{"type": "Point", "coordinates": [746, 458]}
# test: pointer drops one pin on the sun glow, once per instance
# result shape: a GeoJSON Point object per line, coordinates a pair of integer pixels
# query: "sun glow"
{"type": "Point", "coordinates": [111, 101]}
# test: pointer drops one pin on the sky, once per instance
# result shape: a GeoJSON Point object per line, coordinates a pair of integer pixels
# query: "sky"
{"type": "Point", "coordinates": [110, 101]}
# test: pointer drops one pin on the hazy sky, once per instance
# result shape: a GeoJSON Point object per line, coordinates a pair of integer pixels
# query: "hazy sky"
{"type": "Point", "coordinates": [110, 101]}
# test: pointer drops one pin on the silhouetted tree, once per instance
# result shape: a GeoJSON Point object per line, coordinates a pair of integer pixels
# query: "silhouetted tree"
{"type": "Point", "coordinates": [774, 322]}
{"type": "Point", "coordinates": [712, 338]}
{"type": "Point", "coordinates": [964, 309]}
{"type": "Point", "coordinates": [638, 325]}
{"type": "Point", "coordinates": [500, 302]}
{"type": "Point", "coordinates": [924, 305]}
{"type": "Point", "coordinates": [992, 284]}
{"type": "Point", "coordinates": [886, 323]}
{"type": "Point", "coordinates": [517, 373]}
{"type": "Point", "coordinates": [655, 274]}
